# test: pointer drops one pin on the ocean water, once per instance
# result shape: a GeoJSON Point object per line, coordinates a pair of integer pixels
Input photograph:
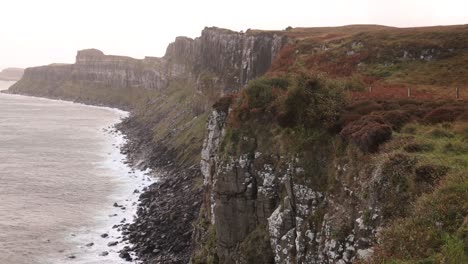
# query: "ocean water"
{"type": "Point", "coordinates": [60, 173]}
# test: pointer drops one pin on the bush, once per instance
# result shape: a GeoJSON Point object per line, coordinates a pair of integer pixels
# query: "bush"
{"type": "Point", "coordinates": [367, 133]}
{"type": "Point", "coordinates": [259, 93]}
{"type": "Point", "coordinates": [430, 173]}
{"type": "Point", "coordinates": [294, 101]}
{"type": "Point", "coordinates": [396, 118]}
{"type": "Point", "coordinates": [442, 114]}
{"type": "Point", "coordinates": [396, 187]}
{"type": "Point", "coordinates": [417, 147]}
{"type": "Point", "coordinates": [256, 247]}
{"type": "Point", "coordinates": [223, 104]}
{"type": "Point", "coordinates": [365, 107]}
{"type": "Point", "coordinates": [311, 101]}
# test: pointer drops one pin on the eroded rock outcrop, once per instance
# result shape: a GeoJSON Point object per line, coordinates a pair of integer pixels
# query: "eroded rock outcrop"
{"type": "Point", "coordinates": [310, 207]}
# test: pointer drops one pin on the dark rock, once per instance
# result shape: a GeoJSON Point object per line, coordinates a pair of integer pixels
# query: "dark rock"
{"type": "Point", "coordinates": [112, 243]}
{"type": "Point", "coordinates": [104, 253]}
{"type": "Point", "coordinates": [104, 235]}
{"type": "Point", "coordinates": [126, 256]}
{"type": "Point", "coordinates": [90, 244]}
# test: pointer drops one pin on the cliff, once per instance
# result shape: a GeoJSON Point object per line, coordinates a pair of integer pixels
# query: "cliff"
{"type": "Point", "coordinates": [169, 99]}
{"type": "Point", "coordinates": [11, 74]}
{"type": "Point", "coordinates": [330, 183]}
{"type": "Point", "coordinates": [217, 63]}
{"type": "Point", "coordinates": [294, 146]}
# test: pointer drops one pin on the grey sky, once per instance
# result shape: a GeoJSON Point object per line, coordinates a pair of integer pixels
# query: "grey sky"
{"type": "Point", "coordinates": [41, 32]}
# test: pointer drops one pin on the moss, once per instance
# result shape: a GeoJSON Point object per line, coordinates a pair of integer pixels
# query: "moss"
{"type": "Point", "coordinates": [367, 217]}
{"type": "Point", "coordinates": [430, 173]}
{"type": "Point", "coordinates": [206, 254]}
{"type": "Point", "coordinates": [397, 185]}
{"type": "Point", "coordinates": [341, 232]}
{"type": "Point", "coordinates": [256, 247]}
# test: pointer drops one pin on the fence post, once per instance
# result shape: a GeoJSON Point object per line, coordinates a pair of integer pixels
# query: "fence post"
{"type": "Point", "coordinates": [458, 93]}
{"type": "Point", "coordinates": [409, 91]}
{"type": "Point", "coordinates": [370, 89]}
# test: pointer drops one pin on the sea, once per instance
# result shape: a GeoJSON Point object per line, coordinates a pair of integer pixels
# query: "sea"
{"type": "Point", "coordinates": [64, 185]}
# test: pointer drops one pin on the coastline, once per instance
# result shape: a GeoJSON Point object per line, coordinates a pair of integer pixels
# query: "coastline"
{"type": "Point", "coordinates": [162, 231]}
{"type": "Point", "coordinates": [112, 220]}
{"type": "Point", "coordinates": [86, 244]}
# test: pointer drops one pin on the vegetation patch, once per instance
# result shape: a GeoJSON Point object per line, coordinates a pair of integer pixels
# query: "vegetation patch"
{"type": "Point", "coordinates": [367, 133]}
{"type": "Point", "coordinates": [256, 247]}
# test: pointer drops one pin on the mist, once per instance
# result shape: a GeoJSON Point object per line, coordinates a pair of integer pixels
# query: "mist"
{"type": "Point", "coordinates": [42, 32]}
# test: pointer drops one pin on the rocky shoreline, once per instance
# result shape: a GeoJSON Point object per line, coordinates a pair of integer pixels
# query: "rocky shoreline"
{"type": "Point", "coordinates": [163, 227]}
{"type": "Point", "coordinates": [167, 209]}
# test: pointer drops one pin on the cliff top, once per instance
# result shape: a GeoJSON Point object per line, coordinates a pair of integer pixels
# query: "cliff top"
{"type": "Point", "coordinates": [429, 60]}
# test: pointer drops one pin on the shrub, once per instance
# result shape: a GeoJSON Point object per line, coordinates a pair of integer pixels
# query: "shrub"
{"type": "Point", "coordinates": [311, 101]}
{"type": "Point", "coordinates": [295, 101]}
{"type": "Point", "coordinates": [256, 247]}
{"type": "Point", "coordinates": [396, 118]}
{"type": "Point", "coordinates": [224, 103]}
{"type": "Point", "coordinates": [417, 147]}
{"type": "Point", "coordinates": [365, 107]}
{"type": "Point", "coordinates": [345, 119]}
{"type": "Point", "coordinates": [430, 173]}
{"type": "Point", "coordinates": [442, 114]}
{"type": "Point", "coordinates": [367, 133]}
{"type": "Point", "coordinates": [259, 93]}
{"type": "Point", "coordinates": [396, 186]}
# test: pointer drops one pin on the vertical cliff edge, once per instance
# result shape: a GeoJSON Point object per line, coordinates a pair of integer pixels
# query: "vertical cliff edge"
{"type": "Point", "coordinates": [169, 99]}
{"type": "Point", "coordinates": [307, 145]}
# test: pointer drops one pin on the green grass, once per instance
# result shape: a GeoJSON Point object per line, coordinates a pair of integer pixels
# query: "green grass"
{"type": "Point", "coordinates": [435, 229]}
{"type": "Point", "coordinates": [448, 147]}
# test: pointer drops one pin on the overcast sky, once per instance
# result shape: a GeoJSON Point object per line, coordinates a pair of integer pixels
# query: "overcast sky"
{"type": "Point", "coordinates": [34, 32]}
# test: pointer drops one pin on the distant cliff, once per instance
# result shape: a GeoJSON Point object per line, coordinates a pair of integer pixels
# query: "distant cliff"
{"type": "Point", "coordinates": [218, 62]}
{"type": "Point", "coordinates": [11, 74]}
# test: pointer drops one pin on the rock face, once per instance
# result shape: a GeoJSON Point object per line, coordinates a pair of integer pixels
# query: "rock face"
{"type": "Point", "coordinates": [169, 96]}
{"type": "Point", "coordinates": [218, 62]}
{"type": "Point", "coordinates": [11, 74]}
{"type": "Point", "coordinates": [290, 201]}
{"type": "Point", "coordinates": [234, 58]}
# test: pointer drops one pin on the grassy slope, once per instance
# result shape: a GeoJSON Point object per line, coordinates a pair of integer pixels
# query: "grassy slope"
{"type": "Point", "coordinates": [425, 158]}
{"type": "Point", "coordinates": [375, 56]}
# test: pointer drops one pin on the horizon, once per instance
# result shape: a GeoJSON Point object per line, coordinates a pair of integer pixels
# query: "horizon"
{"type": "Point", "coordinates": [125, 55]}
{"type": "Point", "coordinates": [33, 37]}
